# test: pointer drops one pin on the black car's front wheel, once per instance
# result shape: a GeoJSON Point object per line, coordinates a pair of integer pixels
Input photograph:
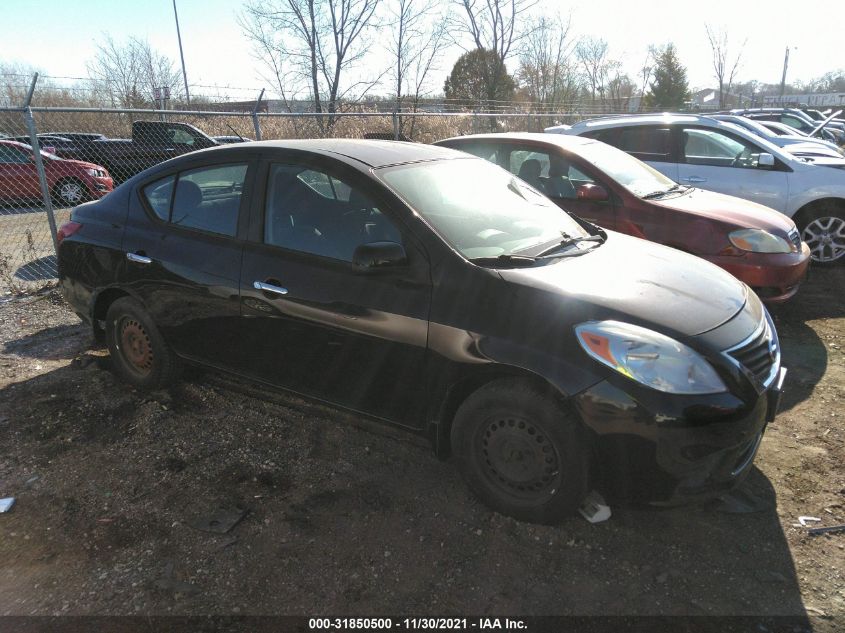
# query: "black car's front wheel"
{"type": "Point", "coordinates": [139, 353]}
{"type": "Point", "coordinates": [521, 452]}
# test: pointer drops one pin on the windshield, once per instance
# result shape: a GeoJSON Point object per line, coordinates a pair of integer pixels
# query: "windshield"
{"type": "Point", "coordinates": [480, 209]}
{"type": "Point", "coordinates": [633, 174]}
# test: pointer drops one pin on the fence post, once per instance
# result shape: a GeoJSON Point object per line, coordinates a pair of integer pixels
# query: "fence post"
{"type": "Point", "coordinates": [255, 122]}
{"type": "Point", "coordinates": [395, 117]}
{"type": "Point", "coordinates": [39, 164]}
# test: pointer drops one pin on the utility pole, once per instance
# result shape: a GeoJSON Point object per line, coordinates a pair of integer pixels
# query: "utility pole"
{"type": "Point", "coordinates": [182, 55]}
{"type": "Point", "coordinates": [783, 78]}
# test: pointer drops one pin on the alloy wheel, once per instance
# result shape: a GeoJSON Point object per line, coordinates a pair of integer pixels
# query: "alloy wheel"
{"type": "Point", "coordinates": [825, 237]}
{"type": "Point", "coordinates": [71, 192]}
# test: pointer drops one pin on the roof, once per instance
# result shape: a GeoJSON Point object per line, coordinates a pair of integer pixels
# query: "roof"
{"type": "Point", "coordinates": [370, 152]}
{"type": "Point", "coordinates": [639, 119]}
{"type": "Point", "coordinates": [566, 142]}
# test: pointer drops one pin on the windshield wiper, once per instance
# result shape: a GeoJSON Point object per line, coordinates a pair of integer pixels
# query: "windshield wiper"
{"type": "Point", "coordinates": [507, 260]}
{"type": "Point", "coordinates": [570, 241]}
{"type": "Point", "coordinates": [663, 192]}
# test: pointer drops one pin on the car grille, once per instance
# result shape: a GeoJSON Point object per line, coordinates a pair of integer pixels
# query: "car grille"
{"type": "Point", "coordinates": [758, 355]}
{"type": "Point", "coordinates": [795, 238]}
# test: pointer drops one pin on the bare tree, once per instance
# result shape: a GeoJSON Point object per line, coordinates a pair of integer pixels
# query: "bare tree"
{"type": "Point", "coordinates": [723, 67]}
{"type": "Point", "coordinates": [645, 74]}
{"type": "Point", "coordinates": [129, 73]}
{"type": "Point", "coordinates": [546, 69]}
{"type": "Point", "coordinates": [310, 44]}
{"type": "Point", "coordinates": [592, 55]}
{"type": "Point", "coordinates": [492, 25]}
{"type": "Point", "coordinates": [419, 36]}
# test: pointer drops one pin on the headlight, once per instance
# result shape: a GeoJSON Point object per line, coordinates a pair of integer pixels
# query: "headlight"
{"type": "Point", "coordinates": [651, 359]}
{"type": "Point", "coordinates": [759, 241]}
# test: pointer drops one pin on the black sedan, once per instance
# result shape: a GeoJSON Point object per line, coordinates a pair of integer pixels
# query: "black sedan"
{"type": "Point", "coordinates": [436, 291]}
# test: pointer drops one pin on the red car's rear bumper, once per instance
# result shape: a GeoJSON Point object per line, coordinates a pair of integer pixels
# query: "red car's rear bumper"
{"type": "Point", "coordinates": [775, 277]}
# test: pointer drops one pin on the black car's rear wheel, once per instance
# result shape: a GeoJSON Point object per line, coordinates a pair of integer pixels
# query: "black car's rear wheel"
{"type": "Point", "coordinates": [140, 355]}
{"type": "Point", "coordinates": [521, 452]}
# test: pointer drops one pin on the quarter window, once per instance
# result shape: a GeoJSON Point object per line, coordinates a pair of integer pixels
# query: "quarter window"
{"type": "Point", "coordinates": [158, 195]}
{"type": "Point", "coordinates": [313, 212]}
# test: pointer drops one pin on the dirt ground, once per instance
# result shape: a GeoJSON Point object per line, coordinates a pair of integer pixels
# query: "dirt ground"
{"type": "Point", "coordinates": [346, 517]}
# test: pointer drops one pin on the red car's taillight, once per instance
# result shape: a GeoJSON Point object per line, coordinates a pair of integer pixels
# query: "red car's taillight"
{"type": "Point", "coordinates": [67, 229]}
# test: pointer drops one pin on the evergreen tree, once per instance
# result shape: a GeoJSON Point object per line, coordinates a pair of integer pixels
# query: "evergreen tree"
{"type": "Point", "coordinates": [479, 76]}
{"type": "Point", "coordinates": [669, 88]}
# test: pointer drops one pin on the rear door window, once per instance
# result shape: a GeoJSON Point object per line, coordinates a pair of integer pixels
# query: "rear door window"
{"type": "Point", "coordinates": [206, 199]}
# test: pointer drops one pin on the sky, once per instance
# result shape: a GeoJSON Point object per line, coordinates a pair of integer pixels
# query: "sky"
{"type": "Point", "coordinates": [59, 36]}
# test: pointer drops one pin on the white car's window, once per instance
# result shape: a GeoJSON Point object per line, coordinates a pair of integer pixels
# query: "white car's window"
{"type": "Point", "coordinates": [714, 148]}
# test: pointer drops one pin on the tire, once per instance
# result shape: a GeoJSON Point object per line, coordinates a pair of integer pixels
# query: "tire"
{"type": "Point", "coordinates": [823, 228]}
{"type": "Point", "coordinates": [501, 424]}
{"type": "Point", "coordinates": [70, 192]}
{"type": "Point", "coordinates": [140, 356]}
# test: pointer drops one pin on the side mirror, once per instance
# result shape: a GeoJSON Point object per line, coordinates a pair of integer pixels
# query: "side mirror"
{"type": "Point", "coordinates": [592, 193]}
{"type": "Point", "coordinates": [765, 161]}
{"type": "Point", "coordinates": [378, 255]}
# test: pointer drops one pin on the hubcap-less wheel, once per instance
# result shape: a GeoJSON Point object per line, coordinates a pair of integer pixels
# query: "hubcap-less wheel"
{"type": "Point", "coordinates": [826, 238]}
{"type": "Point", "coordinates": [519, 459]}
{"type": "Point", "coordinates": [135, 346]}
{"type": "Point", "coordinates": [71, 192]}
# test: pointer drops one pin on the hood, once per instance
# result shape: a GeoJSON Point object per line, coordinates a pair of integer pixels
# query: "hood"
{"type": "Point", "coordinates": [640, 282]}
{"type": "Point", "coordinates": [812, 149]}
{"type": "Point", "coordinates": [729, 209]}
{"type": "Point", "coordinates": [81, 164]}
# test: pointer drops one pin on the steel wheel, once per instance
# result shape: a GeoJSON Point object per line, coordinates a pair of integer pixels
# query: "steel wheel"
{"type": "Point", "coordinates": [135, 345]}
{"type": "Point", "coordinates": [70, 192]}
{"type": "Point", "coordinates": [520, 460]}
{"type": "Point", "coordinates": [826, 238]}
{"type": "Point", "coordinates": [521, 451]}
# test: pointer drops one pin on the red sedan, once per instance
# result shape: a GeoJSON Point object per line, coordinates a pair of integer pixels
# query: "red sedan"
{"type": "Point", "coordinates": [70, 181]}
{"type": "Point", "coordinates": [610, 188]}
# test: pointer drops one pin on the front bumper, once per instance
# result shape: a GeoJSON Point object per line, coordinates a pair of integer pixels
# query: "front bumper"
{"type": "Point", "coordinates": [667, 449]}
{"type": "Point", "coordinates": [775, 277]}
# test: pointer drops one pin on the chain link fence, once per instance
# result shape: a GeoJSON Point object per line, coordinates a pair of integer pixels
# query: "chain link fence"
{"type": "Point", "coordinates": [83, 153]}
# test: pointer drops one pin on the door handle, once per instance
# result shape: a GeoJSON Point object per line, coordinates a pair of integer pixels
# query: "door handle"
{"type": "Point", "coordinates": [138, 259]}
{"type": "Point", "coordinates": [276, 290]}
{"type": "Point", "coordinates": [694, 179]}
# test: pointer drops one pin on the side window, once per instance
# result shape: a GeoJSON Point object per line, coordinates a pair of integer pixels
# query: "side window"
{"type": "Point", "coordinates": [181, 137]}
{"type": "Point", "coordinates": [645, 142]}
{"type": "Point", "coordinates": [311, 211]}
{"type": "Point", "coordinates": [209, 198]}
{"type": "Point", "coordinates": [158, 196]}
{"type": "Point", "coordinates": [714, 148]}
{"type": "Point", "coordinates": [12, 155]}
{"type": "Point", "coordinates": [531, 166]}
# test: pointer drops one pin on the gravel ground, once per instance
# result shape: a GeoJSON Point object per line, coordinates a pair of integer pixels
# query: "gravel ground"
{"type": "Point", "coordinates": [347, 517]}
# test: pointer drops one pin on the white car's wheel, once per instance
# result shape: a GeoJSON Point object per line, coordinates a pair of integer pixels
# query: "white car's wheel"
{"type": "Point", "coordinates": [823, 229]}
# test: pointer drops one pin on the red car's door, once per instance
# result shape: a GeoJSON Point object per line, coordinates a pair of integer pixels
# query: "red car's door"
{"type": "Point", "coordinates": [18, 176]}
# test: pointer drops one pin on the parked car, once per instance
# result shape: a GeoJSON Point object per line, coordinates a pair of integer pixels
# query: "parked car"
{"type": "Point", "coordinates": [718, 156]}
{"type": "Point", "coordinates": [152, 142]}
{"type": "Point", "coordinates": [432, 289]}
{"type": "Point", "coordinates": [798, 120]}
{"type": "Point", "coordinates": [791, 140]}
{"type": "Point", "coordinates": [61, 146]}
{"type": "Point", "coordinates": [610, 188]}
{"type": "Point", "coordinates": [69, 181]}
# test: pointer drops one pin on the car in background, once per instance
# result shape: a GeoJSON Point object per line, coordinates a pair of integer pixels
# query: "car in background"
{"type": "Point", "coordinates": [718, 156]}
{"type": "Point", "coordinates": [428, 288]}
{"type": "Point", "coordinates": [608, 187]}
{"type": "Point", "coordinates": [791, 141]}
{"type": "Point", "coordinates": [796, 119]}
{"type": "Point", "coordinates": [69, 181]}
{"type": "Point", "coordinates": [61, 146]}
